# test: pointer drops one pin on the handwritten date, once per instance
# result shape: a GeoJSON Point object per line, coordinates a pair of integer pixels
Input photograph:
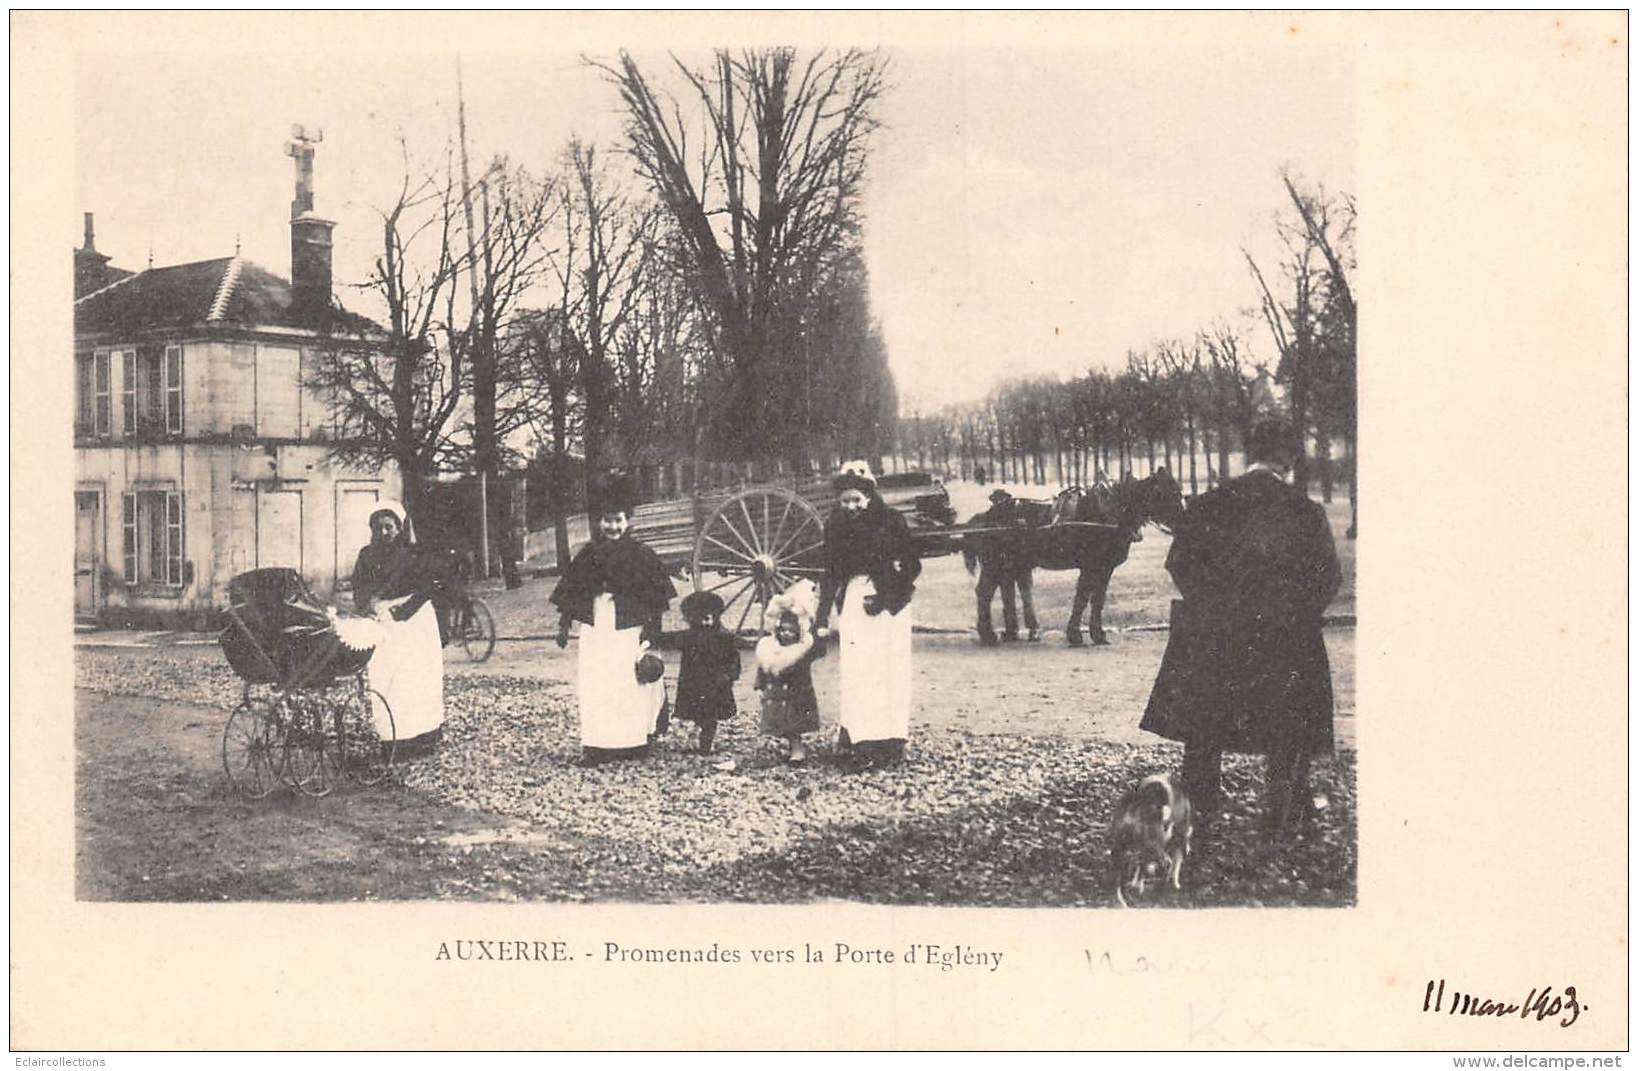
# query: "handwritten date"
{"type": "Point", "coordinates": [1540, 1003]}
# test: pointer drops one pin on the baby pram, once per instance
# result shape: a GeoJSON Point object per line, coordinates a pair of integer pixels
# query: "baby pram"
{"type": "Point", "coordinates": [308, 715]}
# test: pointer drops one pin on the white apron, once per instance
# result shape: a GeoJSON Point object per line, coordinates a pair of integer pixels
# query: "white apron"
{"type": "Point", "coordinates": [875, 668]}
{"type": "Point", "coordinates": [615, 711]}
{"type": "Point", "coordinates": [408, 670]}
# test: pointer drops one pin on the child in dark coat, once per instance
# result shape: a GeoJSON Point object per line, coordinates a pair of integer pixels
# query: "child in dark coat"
{"type": "Point", "coordinates": [784, 668]}
{"type": "Point", "coordinates": [710, 665]}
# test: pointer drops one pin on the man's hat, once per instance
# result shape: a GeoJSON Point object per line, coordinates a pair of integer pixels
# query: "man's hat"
{"type": "Point", "coordinates": [1272, 442]}
{"type": "Point", "coordinates": [998, 495]}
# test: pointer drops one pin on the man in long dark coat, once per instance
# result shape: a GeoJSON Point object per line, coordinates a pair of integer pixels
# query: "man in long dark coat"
{"type": "Point", "coordinates": [1245, 668]}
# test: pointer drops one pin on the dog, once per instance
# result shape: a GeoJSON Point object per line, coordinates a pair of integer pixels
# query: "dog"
{"type": "Point", "coordinates": [1152, 828]}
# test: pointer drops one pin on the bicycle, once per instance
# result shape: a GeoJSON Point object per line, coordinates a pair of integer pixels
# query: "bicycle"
{"type": "Point", "coordinates": [472, 624]}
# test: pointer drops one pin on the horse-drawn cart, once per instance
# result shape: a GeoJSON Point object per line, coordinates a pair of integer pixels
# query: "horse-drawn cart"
{"type": "Point", "coordinates": [751, 543]}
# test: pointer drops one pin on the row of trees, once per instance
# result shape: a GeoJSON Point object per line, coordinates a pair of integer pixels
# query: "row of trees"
{"type": "Point", "coordinates": [1184, 401]}
{"type": "Point", "coordinates": [695, 291]}
{"type": "Point", "coordinates": [1175, 403]}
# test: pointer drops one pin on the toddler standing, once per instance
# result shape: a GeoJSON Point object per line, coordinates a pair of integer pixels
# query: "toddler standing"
{"type": "Point", "coordinates": [784, 668]}
{"type": "Point", "coordinates": [710, 665]}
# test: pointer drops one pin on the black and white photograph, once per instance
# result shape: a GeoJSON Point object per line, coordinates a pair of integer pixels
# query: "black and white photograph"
{"type": "Point", "coordinates": [706, 469]}
{"type": "Point", "coordinates": [471, 452]}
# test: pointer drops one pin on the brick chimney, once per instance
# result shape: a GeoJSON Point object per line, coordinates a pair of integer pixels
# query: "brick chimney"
{"type": "Point", "coordinates": [90, 266]}
{"type": "Point", "coordinates": [310, 243]}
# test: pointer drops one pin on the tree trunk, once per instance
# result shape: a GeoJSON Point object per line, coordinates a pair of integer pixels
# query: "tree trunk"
{"type": "Point", "coordinates": [1353, 488]}
{"type": "Point", "coordinates": [1222, 451]}
{"type": "Point", "coordinates": [1194, 484]}
{"type": "Point", "coordinates": [560, 482]}
{"type": "Point", "coordinates": [1322, 457]}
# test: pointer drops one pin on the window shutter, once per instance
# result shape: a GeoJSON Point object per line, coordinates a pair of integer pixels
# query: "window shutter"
{"type": "Point", "coordinates": [85, 396]}
{"type": "Point", "coordinates": [128, 507]}
{"type": "Point", "coordinates": [173, 390]}
{"type": "Point", "coordinates": [173, 538]}
{"type": "Point", "coordinates": [128, 391]}
{"type": "Point", "coordinates": [105, 401]}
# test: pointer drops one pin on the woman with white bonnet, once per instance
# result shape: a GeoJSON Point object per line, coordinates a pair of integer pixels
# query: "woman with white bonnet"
{"type": "Point", "coordinates": [870, 575]}
{"type": "Point", "coordinates": [392, 583]}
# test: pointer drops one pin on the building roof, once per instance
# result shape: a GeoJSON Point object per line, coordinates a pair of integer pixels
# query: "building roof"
{"type": "Point", "coordinates": [225, 292]}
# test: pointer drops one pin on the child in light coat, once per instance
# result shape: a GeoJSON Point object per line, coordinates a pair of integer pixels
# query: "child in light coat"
{"type": "Point", "coordinates": [784, 668]}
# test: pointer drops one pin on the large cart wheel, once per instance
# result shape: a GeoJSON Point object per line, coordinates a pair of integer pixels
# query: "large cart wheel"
{"type": "Point", "coordinates": [478, 631]}
{"type": "Point", "coordinates": [755, 545]}
{"type": "Point", "coordinates": [252, 753]}
{"type": "Point", "coordinates": [306, 740]}
{"type": "Point", "coordinates": [364, 736]}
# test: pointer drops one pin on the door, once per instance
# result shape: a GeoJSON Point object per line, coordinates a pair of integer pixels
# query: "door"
{"type": "Point", "coordinates": [87, 562]}
{"type": "Point", "coordinates": [278, 529]}
{"type": "Point", "coordinates": [353, 508]}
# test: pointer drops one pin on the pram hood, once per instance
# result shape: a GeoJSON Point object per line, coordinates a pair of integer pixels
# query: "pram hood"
{"type": "Point", "coordinates": [279, 632]}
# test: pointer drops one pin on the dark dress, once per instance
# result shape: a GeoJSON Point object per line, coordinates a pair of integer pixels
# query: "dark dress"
{"type": "Point", "coordinates": [400, 569]}
{"type": "Point", "coordinates": [876, 543]}
{"type": "Point", "coordinates": [789, 705]}
{"type": "Point", "coordinates": [624, 568]}
{"type": "Point", "coordinates": [1245, 668]}
{"type": "Point", "coordinates": [705, 683]}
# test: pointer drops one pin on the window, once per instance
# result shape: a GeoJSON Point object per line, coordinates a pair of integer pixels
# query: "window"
{"type": "Point", "coordinates": [153, 391]}
{"type": "Point", "coordinates": [153, 538]}
{"type": "Point", "coordinates": [93, 404]}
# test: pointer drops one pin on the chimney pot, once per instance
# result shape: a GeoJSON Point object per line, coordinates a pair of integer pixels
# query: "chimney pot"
{"type": "Point", "coordinates": [90, 235]}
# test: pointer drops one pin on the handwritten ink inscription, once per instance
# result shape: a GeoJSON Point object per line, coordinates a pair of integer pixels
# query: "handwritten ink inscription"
{"type": "Point", "coordinates": [1540, 1003]}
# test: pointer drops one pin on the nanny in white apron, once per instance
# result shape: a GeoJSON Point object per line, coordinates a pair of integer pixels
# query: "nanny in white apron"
{"type": "Point", "coordinates": [618, 590]}
{"type": "Point", "coordinates": [391, 583]}
{"type": "Point", "coordinates": [870, 573]}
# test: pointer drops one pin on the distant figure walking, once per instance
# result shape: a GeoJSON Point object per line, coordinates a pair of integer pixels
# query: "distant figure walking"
{"type": "Point", "coordinates": [1245, 668]}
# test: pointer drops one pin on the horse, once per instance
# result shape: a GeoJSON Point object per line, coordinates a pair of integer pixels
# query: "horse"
{"type": "Point", "coordinates": [1047, 542]}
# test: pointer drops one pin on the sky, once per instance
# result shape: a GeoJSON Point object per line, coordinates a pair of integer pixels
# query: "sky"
{"type": "Point", "coordinates": [1029, 210]}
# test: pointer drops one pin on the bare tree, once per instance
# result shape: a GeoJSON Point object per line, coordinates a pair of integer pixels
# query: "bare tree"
{"type": "Point", "coordinates": [1181, 361]}
{"type": "Point", "coordinates": [544, 355]}
{"type": "Point", "coordinates": [603, 251]}
{"type": "Point", "coordinates": [396, 403]}
{"type": "Point", "coordinates": [1314, 330]}
{"type": "Point", "coordinates": [762, 179]}
{"type": "Point", "coordinates": [1231, 373]}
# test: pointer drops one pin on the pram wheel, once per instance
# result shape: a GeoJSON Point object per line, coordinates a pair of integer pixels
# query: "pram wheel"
{"type": "Point", "coordinates": [306, 740]}
{"type": "Point", "coordinates": [365, 738]}
{"type": "Point", "coordinates": [252, 753]}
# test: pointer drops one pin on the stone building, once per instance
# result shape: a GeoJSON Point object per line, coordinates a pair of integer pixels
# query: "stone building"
{"type": "Point", "coordinates": [200, 452]}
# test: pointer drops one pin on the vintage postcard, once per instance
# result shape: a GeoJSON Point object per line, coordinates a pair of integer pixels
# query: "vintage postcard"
{"type": "Point", "coordinates": [826, 530]}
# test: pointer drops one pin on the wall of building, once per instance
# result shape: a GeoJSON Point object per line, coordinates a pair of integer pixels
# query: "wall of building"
{"type": "Point", "coordinates": [245, 507]}
{"type": "Point", "coordinates": [258, 488]}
